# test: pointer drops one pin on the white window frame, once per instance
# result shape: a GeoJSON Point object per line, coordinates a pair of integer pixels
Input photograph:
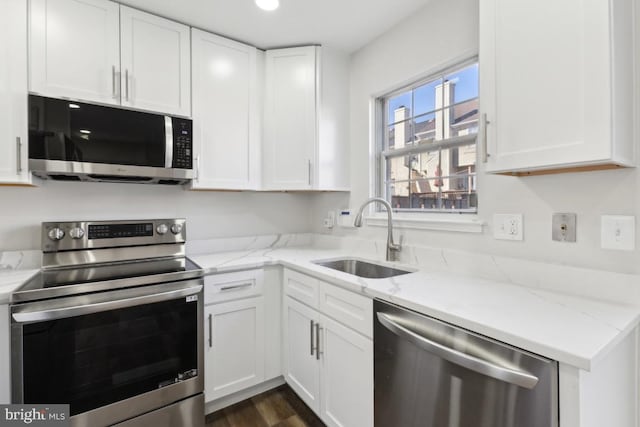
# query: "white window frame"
{"type": "Point", "coordinates": [427, 219]}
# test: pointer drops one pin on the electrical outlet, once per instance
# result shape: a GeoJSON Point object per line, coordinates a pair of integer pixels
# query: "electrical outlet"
{"type": "Point", "coordinates": [618, 232]}
{"type": "Point", "coordinates": [508, 227]}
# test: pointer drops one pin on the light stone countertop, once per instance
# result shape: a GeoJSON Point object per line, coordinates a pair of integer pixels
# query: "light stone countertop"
{"type": "Point", "coordinates": [574, 330]}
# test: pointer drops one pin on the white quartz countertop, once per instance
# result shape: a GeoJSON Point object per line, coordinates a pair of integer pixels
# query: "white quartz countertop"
{"type": "Point", "coordinates": [573, 330]}
{"type": "Point", "coordinates": [10, 280]}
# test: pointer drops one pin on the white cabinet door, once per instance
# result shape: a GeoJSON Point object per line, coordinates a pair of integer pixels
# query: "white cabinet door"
{"type": "Point", "coordinates": [225, 113]}
{"type": "Point", "coordinates": [290, 118]}
{"type": "Point", "coordinates": [301, 366]}
{"type": "Point", "coordinates": [234, 346]}
{"type": "Point", "coordinates": [346, 376]}
{"type": "Point", "coordinates": [155, 63]}
{"type": "Point", "coordinates": [74, 49]}
{"type": "Point", "coordinates": [556, 83]}
{"type": "Point", "coordinates": [13, 93]}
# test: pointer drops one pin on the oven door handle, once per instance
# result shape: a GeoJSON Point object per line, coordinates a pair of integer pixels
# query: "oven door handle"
{"type": "Point", "coordinates": [80, 310]}
{"type": "Point", "coordinates": [484, 367]}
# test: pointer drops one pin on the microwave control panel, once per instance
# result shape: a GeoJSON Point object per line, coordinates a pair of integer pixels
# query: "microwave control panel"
{"type": "Point", "coordinates": [182, 143]}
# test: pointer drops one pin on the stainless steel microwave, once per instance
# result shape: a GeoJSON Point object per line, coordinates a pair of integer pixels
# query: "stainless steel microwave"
{"type": "Point", "coordinates": [74, 141]}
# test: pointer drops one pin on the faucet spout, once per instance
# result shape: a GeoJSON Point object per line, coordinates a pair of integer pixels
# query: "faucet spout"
{"type": "Point", "coordinates": [392, 247]}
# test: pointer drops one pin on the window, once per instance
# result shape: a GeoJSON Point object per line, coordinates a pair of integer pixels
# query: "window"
{"type": "Point", "coordinates": [427, 148]}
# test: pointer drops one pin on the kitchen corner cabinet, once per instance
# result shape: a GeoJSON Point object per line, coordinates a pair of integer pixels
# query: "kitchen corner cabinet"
{"type": "Point", "coordinates": [13, 93]}
{"type": "Point", "coordinates": [120, 56]}
{"type": "Point", "coordinates": [226, 113]}
{"type": "Point", "coordinates": [328, 350]}
{"type": "Point", "coordinates": [556, 85]}
{"type": "Point", "coordinates": [305, 119]}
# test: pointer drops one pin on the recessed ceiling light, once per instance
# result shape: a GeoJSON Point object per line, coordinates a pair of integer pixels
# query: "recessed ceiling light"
{"type": "Point", "coordinates": [85, 131]}
{"type": "Point", "coordinates": [268, 4]}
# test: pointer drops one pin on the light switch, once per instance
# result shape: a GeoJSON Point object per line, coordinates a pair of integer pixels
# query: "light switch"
{"type": "Point", "coordinates": [618, 232]}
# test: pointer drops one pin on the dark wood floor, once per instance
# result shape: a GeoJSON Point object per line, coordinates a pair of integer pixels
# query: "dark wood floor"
{"type": "Point", "coordinates": [279, 407]}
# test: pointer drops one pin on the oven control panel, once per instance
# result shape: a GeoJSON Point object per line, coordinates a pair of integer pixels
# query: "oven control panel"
{"type": "Point", "coordinates": [78, 235]}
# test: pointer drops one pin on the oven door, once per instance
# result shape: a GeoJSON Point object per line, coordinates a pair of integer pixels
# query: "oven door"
{"type": "Point", "coordinates": [110, 355]}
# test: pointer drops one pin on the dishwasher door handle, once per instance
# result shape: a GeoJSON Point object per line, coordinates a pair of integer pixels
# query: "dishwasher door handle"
{"type": "Point", "coordinates": [512, 376]}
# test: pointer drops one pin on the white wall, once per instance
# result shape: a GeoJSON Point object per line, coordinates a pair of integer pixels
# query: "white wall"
{"type": "Point", "coordinates": [442, 31]}
{"type": "Point", "coordinates": [208, 214]}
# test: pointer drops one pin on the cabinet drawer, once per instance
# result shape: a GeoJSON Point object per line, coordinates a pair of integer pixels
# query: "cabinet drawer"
{"type": "Point", "coordinates": [349, 308]}
{"type": "Point", "coordinates": [230, 286]}
{"type": "Point", "coordinates": [301, 287]}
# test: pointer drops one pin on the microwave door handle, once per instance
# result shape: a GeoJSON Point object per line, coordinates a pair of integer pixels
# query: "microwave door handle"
{"type": "Point", "coordinates": [168, 142]}
{"type": "Point", "coordinates": [519, 378]}
{"type": "Point", "coordinates": [80, 310]}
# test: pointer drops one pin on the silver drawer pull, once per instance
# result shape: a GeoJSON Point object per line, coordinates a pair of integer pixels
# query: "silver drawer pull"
{"type": "Point", "coordinates": [473, 363]}
{"type": "Point", "coordinates": [19, 154]}
{"type": "Point", "coordinates": [232, 287]}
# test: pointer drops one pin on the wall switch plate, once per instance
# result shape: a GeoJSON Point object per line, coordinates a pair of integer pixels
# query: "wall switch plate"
{"type": "Point", "coordinates": [618, 232]}
{"type": "Point", "coordinates": [563, 227]}
{"type": "Point", "coordinates": [508, 227]}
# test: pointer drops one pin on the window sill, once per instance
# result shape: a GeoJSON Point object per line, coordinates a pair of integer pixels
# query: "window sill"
{"type": "Point", "coordinates": [461, 223]}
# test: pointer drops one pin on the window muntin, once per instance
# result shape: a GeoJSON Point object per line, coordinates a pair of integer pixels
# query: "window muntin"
{"type": "Point", "coordinates": [427, 151]}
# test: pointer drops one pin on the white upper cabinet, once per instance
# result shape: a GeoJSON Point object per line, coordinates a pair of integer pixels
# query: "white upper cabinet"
{"type": "Point", "coordinates": [306, 117]}
{"type": "Point", "coordinates": [98, 51]}
{"type": "Point", "coordinates": [226, 113]}
{"type": "Point", "coordinates": [556, 83]}
{"type": "Point", "coordinates": [13, 93]}
{"type": "Point", "coordinates": [75, 49]}
{"type": "Point", "coordinates": [155, 63]}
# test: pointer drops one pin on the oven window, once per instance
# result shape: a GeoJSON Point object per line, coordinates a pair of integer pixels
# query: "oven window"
{"type": "Point", "coordinates": [97, 359]}
{"type": "Point", "coordinates": [78, 132]}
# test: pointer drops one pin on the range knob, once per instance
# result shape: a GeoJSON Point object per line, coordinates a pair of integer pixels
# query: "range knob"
{"type": "Point", "coordinates": [56, 234]}
{"type": "Point", "coordinates": [76, 233]}
{"type": "Point", "coordinates": [176, 228]}
{"type": "Point", "coordinates": [162, 229]}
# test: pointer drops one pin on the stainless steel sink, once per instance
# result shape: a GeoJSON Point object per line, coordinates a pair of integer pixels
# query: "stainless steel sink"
{"type": "Point", "coordinates": [362, 268]}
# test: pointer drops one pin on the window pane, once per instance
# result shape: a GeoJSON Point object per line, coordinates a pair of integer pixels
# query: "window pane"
{"type": "Point", "coordinates": [425, 128]}
{"type": "Point", "coordinates": [459, 160]}
{"type": "Point", "coordinates": [399, 135]}
{"type": "Point", "coordinates": [463, 84]}
{"type": "Point", "coordinates": [398, 194]}
{"type": "Point", "coordinates": [398, 168]}
{"type": "Point", "coordinates": [399, 107]}
{"type": "Point", "coordinates": [424, 165]}
{"type": "Point", "coordinates": [462, 119]}
{"type": "Point", "coordinates": [428, 97]}
{"type": "Point", "coordinates": [443, 193]}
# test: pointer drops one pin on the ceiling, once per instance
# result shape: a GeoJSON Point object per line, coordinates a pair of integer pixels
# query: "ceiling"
{"type": "Point", "coordinates": [343, 24]}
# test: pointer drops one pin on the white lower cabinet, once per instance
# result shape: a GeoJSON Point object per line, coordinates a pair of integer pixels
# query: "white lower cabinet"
{"type": "Point", "coordinates": [329, 364]}
{"type": "Point", "coordinates": [234, 346]}
{"type": "Point", "coordinates": [234, 333]}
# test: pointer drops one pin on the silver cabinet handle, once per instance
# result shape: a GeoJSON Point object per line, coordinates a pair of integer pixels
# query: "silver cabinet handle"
{"type": "Point", "coordinates": [197, 173]}
{"type": "Point", "coordinates": [82, 309]}
{"type": "Point", "coordinates": [519, 378]}
{"type": "Point", "coordinates": [485, 146]}
{"type": "Point", "coordinates": [126, 84]}
{"type": "Point", "coordinates": [311, 336]}
{"type": "Point", "coordinates": [232, 287]}
{"type": "Point", "coordinates": [113, 82]}
{"type": "Point", "coordinates": [309, 170]}
{"type": "Point", "coordinates": [210, 330]}
{"type": "Point", "coordinates": [19, 154]}
{"type": "Point", "coordinates": [318, 329]}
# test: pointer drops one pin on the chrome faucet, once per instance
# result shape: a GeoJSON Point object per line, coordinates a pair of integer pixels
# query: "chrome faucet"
{"type": "Point", "coordinates": [392, 248]}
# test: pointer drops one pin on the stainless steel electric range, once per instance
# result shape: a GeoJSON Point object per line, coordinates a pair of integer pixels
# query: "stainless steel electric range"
{"type": "Point", "coordinates": [112, 325]}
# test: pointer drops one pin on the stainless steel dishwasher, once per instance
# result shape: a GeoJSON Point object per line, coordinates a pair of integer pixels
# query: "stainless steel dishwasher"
{"type": "Point", "coordinates": [431, 374]}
